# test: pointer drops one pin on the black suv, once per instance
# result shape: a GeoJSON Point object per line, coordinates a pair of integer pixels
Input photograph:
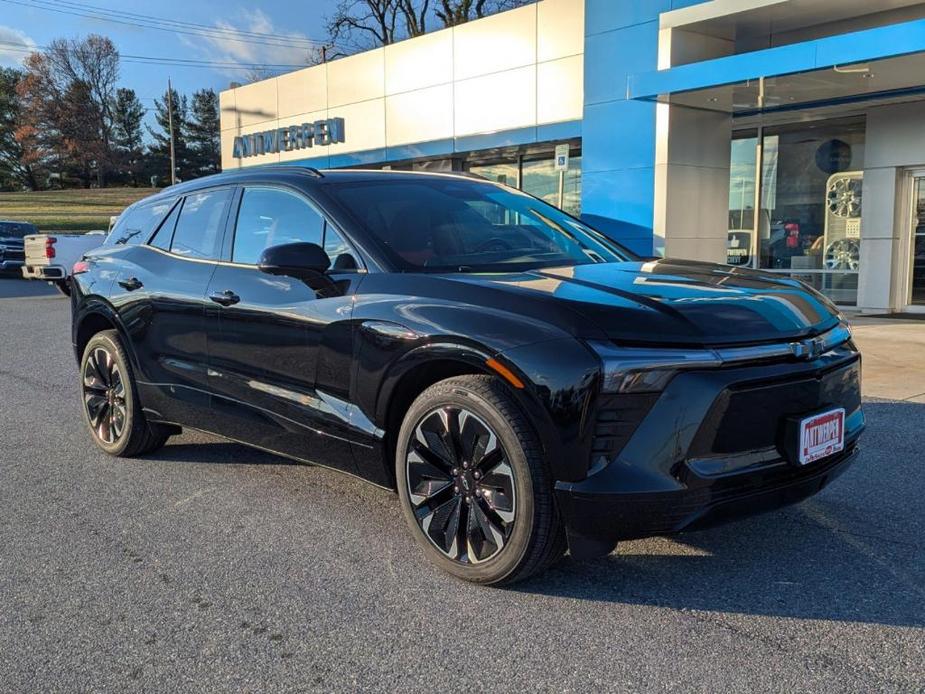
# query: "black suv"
{"type": "Point", "coordinates": [524, 383]}
{"type": "Point", "coordinates": [12, 248]}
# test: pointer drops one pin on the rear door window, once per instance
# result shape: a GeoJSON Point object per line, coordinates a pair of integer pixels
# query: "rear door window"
{"type": "Point", "coordinates": [198, 233]}
{"type": "Point", "coordinates": [137, 223]}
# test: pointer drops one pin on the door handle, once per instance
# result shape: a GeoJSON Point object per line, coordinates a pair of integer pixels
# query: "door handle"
{"type": "Point", "coordinates": [225, 298]}
{"type": "Point", "coordinates": [131, 284]}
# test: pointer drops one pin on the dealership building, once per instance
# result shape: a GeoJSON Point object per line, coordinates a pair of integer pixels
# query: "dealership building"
{"type": "Point", "coordinates": [784, 135]}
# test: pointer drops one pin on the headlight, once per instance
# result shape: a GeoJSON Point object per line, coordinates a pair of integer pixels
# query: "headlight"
{"type": "Point", "coordinates": [641, 370]}
{"type": "Point", "coordinates": [644, 370]}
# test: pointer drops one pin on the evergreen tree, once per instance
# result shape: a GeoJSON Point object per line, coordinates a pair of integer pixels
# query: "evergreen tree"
{"type": "Point", "coordinates": [159, 150]}
{"type": "Point", "coordinates": [127, 115]}
{"type": "Point", "coordinates": [204, 133]}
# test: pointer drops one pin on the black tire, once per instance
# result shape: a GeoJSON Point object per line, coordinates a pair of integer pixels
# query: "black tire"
{"type": "Point", "coordinates": [63, 286]}
{"type": "Point", "coordinates": [112, 413]}
{"type": "Point", "coordinates": [514, 483]}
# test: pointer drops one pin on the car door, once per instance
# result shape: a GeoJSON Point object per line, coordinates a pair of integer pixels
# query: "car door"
{"type": "Point", "coordinates": [280, 350]}
{"type": "Point", "coordinates": [160, 294]}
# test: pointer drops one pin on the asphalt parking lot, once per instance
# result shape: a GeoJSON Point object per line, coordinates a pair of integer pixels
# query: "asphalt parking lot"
{"type": "Point", "coordinates": [211, 567]}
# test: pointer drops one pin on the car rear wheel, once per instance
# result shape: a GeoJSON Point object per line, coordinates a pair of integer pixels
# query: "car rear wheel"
{"type": "Point", "coordinates": [110, 400]}
{"type": "Point", "coordinates": [474, 485]}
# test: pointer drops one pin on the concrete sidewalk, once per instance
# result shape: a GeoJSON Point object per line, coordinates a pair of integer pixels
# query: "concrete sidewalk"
{"type": "Point", "coordinates": [894, 357]}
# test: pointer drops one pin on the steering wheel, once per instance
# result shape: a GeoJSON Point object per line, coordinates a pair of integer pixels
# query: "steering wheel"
{"type": "Point", "coordinates": [496, 243]}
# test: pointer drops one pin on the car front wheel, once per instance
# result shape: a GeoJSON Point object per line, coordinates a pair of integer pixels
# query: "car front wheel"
{"type": "Point", "coordinates": [474, 485]}
{"type": "Point", "coordinates": [110, 400]}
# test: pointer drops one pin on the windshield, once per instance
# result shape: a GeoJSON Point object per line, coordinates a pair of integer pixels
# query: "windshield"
{"type": "Point", "coordinates": [16, 230]}
{"type": "Point", "coordinates": [445, 224]}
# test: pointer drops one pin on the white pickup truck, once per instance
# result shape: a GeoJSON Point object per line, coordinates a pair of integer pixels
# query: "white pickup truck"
{"type": "Point", "coordinates": [51, 256]}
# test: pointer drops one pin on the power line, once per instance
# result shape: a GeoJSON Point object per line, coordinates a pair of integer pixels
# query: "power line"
{"type": "Point", "coordinates": [213, 33]}
{"type": "Point", "coordinates": [176, 22]}
{"type": "Point", "coordinates": [164, 60]}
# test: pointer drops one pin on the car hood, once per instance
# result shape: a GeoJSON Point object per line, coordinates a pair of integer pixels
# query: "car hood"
{"type": "Point", "coordinates": [674, 301]}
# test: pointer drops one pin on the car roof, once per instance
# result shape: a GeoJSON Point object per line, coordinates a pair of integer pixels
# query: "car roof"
{"type": "Point", "coordinates": [301, 173]}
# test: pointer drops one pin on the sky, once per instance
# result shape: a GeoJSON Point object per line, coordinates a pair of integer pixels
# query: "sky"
{"type": "Point", "coordinates": [29, 23]}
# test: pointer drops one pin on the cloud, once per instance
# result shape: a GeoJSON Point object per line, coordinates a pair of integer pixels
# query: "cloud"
{"type": "Point", "coordinates": [287, 48]}
{"type": "Point", "coordinates": [14, 45]}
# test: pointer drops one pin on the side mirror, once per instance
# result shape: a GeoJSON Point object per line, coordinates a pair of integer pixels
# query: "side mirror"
{"type": "Point", "coordinates": [300, 260]}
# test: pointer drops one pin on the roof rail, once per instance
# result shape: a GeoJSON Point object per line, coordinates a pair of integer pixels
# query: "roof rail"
{"type": "Point", "coordinates": [313, 171]}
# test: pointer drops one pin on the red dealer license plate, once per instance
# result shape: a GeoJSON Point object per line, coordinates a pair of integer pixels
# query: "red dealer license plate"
{"type": "Point", "coordinates": [822, 435]}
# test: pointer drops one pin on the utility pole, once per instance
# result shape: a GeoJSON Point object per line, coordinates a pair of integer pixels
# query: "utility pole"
{"type": "Point", "coordinates": [173, 156]}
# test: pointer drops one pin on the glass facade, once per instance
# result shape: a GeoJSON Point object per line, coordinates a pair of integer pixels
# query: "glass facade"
{"type": "Point", "coordinates": [917, 293]}
{"type": "Point", "coordinates": [809, 178]}
{"type": "Point", "coordinates": [535, 174]}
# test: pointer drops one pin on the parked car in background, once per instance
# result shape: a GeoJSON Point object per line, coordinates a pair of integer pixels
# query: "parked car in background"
{"type": "Point", "coordinates": [11, 244]}
{"type": "Point", "coordinates": [51, 256]}
{"type": "Point", "coordinates": [524, 383]}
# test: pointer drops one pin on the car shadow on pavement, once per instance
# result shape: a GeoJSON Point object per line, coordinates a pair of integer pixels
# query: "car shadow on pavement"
{"type": "Point", "coordinates": [12, 287]}
{"type": "Point", "coordinates": [217, 452]}
{"type": "Point", "coordinates": [855, 553]}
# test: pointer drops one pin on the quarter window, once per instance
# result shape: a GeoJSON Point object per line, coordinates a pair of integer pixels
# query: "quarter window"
{"type": "Point", "coordinates": [271, 217]}
{"type": "Point", "coordinates": [136, 224]}
{"type": "Point", "coordinates": [164, 235]}
{"type": "Point", "coordinates": [198, 232]}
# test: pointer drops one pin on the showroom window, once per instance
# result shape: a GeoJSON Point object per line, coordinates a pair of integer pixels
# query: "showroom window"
{"type": "Point", "coordinates": [809, 203]}
{"type": "Point", "coordinates": [536, 175]}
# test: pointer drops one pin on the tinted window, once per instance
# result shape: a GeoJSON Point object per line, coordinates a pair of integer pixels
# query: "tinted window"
{"type": "Point", "coordinates": [16, 230]}
{"type": "Point", "coordinates": [271, 217]}
{"type": "Point", "coordinates": [338, 251]}
{"type": "Point", "coordinates": [447, 224]}
{"type": "Point", "coordinates": [198, 233]}
{"type": "Point", "coordinates": [164, 235]}
{"type": "Point", "coordinates": [138, 222]}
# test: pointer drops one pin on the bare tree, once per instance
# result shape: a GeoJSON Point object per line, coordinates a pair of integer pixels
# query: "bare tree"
{"type": "Point", "coordinates": [362, 24]}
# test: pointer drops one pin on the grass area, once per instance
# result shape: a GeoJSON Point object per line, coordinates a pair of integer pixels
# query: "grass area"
{"type": "Point", "coordinates": [69, 210]}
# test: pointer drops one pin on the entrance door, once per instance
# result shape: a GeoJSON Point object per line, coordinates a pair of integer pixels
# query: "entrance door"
{"type": "Point", "coordinates": [917, 245]}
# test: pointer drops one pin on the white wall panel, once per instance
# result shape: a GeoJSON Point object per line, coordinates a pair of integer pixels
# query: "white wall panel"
{"type": "Point", "coordinates": [419, 116]}
{"type": "Point", "coordinates": [226, 109]}
{"type": "Point", "coordinates": [357, 78]}
{"type": "Point", "coordinates": [256, 103]}
{"type": "Point", "coordinates": [560, 29]}
{"type": "Point", "coordinates": [496, 43]}
{"type": "Point", "coordinates": [559, 90]}
{"type": "Point", "coordinates": [304, 91]}
{"type": "Point", "coordinates": [496, 102]}
{"type": "Point", "coordinates": [421, 62]}
{"type": "Point", "coordinates": [364, 126]}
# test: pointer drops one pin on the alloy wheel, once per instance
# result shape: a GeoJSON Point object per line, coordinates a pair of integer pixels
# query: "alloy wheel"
{"type": "Point", "coordinates": [104, 396]}
{"type": "Point", "coordinates": [461, 485]}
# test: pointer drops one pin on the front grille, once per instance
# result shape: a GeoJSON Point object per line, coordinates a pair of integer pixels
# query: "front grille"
{"type": "Point", "coordinates": [617, 418]}
{"type": "Point", "coordinates": [12, 254]}
{"type": "Point", "coordinates": [749, 418]}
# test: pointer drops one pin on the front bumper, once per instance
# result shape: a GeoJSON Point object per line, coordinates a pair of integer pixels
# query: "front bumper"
{"type": "Point", "coordinates": [711, 448]}
{"type": "Point", "coordinates": [10, 265]}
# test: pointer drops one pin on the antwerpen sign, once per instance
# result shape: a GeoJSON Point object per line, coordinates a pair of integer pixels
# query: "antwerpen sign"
{"type": "Point", "coordinates": [304, 136]}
